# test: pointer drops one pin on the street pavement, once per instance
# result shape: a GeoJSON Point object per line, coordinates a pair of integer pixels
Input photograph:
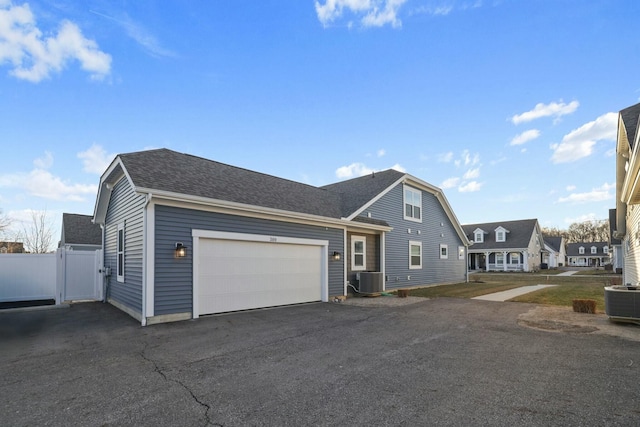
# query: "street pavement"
{"type": "Point", "coordinates": [449, 362]}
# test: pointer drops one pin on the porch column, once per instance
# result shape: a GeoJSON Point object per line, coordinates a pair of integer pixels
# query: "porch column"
{"type": "Point", "coordinates": [504, 260]}
{"type": "Point", "coordinates": [525, 260]}
{"type": "Point", "coordinates": [486, 261]}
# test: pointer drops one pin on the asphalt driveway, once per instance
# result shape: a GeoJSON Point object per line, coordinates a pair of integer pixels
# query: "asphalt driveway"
{"type": "Point", "coordinates": [437, 362]}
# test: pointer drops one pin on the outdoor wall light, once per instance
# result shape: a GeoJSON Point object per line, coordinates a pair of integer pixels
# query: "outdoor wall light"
{"type": "Point", "coordinates": [181, 250]}
{"type": "Point", "coordinates": [336, 256]}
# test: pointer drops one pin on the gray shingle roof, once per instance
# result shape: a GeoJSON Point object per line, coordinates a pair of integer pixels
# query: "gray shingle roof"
{"type": "Point", "coordinates": [630, 120]}
{"type": "Point", "coordinates": [573, 249]}
{"type": "Point", "coordinates": [78, 229]}
{"type": "Point", "coordinates": [167, 170]}
{"type": "Point", "coordinates": [519, 234]}
{"type": "Point", "coordinates": [553, 241]}
{"type": "Point", "coordinates": [356, 192]}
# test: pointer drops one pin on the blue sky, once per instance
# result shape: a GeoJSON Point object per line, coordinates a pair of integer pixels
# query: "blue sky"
{"type": "Point", "coordinates": [509, 106]}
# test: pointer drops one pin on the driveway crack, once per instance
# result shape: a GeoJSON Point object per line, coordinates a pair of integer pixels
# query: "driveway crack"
{"type": "Point", "coordinates": [195, 398]}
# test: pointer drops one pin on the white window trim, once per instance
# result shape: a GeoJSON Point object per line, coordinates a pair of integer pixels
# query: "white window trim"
{"type": "Point", "coordinates": [514, 256]}
{"type": "Point", "coordinates": [478, 236]}
{"type": "Point", "coordinates": [605, 250]}
{"type": "Point", "coordinates": [581, 250]}
{"type": "Point", "coordinates": [419, 244]}
{"type": "Point", "coordinates": [594, 250]}
{"type": "Point", "coordinates": [461, 253]}
{"type": "Point", "coordinates": [120, 277]}
{"type": "Point", "coordinates": [500, 236]}
{"type": "Point", "coordinates": [446, 248]}
{"type": "Point", "coordinates": [355, 239]}
{"type": "Point", "coordinates": [404, 203]}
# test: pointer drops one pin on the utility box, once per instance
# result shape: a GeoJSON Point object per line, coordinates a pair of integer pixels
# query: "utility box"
{"type": "Point", "coordinates": [371, 282]}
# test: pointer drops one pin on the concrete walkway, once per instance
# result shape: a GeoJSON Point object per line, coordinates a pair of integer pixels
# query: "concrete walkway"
{"type": "Point", "coordinates": [511, 293]}
{"type": "Point", "coordinates": [567, 273]}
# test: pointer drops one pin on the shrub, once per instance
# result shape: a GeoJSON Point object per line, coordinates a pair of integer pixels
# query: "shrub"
{"type": "Point", "coordinates": [584, 306]}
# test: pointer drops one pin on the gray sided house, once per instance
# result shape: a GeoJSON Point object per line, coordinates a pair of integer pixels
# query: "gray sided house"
{"type": "Point", "coordinates": [79, 233]}
{"type": "Point", "coordinates": [505, 246]}
{"type": "Point", "coordinates": [185, 236]}
{"type": "Point", "coordinates": [588, 254]}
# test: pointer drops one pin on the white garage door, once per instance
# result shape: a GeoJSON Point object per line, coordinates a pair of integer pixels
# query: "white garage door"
{"type": "Point", "coordinates": [239, 275]}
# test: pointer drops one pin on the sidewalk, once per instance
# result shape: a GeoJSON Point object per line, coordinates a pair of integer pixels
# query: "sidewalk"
{"type": "Point", "coordinates": [511, 293]}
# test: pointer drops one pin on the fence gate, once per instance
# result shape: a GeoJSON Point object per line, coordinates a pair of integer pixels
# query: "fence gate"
{"type": "Point", "coordinates": [78, 275]}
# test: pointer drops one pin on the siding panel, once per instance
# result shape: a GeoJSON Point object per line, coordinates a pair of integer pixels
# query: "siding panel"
{"type": "Point", "coordinates": [173, 277]}
{"type": "Point", "coordinates": [435, 229]}
{"type": "Point", "coordinates": [125, 206]}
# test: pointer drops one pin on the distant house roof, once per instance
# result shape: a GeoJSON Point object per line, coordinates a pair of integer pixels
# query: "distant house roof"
{"type": "Point", "coordinates": [11, 248]}
{"type": "Point", "coordinates": [573, 249]}
{"type": "Point", "coordinates": [518, 236]}
{"type": "Point", "coordinates": [80, 230]}
{"type": "Point", "coordinates": [554, 242]}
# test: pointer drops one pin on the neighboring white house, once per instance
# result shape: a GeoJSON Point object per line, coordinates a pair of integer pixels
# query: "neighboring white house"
{"type": "Point", "coordinates": [555, 254]}
{"type": "Point", "coordinates": [588, 254]}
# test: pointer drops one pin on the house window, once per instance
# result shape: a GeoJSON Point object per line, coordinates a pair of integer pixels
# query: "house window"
{"type": "Point", "coordinates": [444, 251]}
{"type": "Point", "coordinates": [514, 258]}
{"type": "Point", "coordinates": [478, 237]}
{"type": "Point", "coordinates": [581, 250]}
{"type": "Point", "coordinates": [460, 252]}
{"type": "Point", "coordinates": [120, 253]}
{"type": "Point", "coordinates": [358, 253]}
{"type": "Point", "coordinates": [412, 204]}
{"type": "Point", "coordinates": [415, 255]}
{"type": "Point", "coordinates": [594, 250]}
{"type": "Point", "coordinates": [499, 258]}
{"type": "Point", "coordinates": [499, 236]}
{"type": "Point", "coordinates": [605, 250]}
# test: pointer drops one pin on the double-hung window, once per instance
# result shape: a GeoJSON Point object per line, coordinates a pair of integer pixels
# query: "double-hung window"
{"type": "Point", "coordinates": [581, 250]}
{"type": "Point", "coordinates": [415, 255]}
{"type": "Point", "coordinates": [594, 250]}
{"type": "Point", "coordinates": [120, 253]}
{"type": "Point", "coordinates": [412, 204]}
{"type": "Point", "coordinates": [358, 253]}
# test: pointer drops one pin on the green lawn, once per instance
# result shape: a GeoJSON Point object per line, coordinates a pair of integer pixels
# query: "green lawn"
{"type": "Point", "coordinates": [568, 289]}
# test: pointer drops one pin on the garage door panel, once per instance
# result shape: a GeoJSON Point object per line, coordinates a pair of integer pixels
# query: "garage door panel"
{"type": "Point", "coordinates": [240, 275]}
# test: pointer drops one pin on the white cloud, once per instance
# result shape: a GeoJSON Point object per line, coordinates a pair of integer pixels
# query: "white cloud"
{"type": "Point", "coordinates": [353, 170]}
{"type": "Point", "coordinates": [42, 183]}
{"type": "Point", "coordinates": [442, 10]}
{"type": "Point", "coordinates": [95, 159]}
{"type": "Point", "coordinates": [450, 182]}
{"type": "Point", "coordinates": [445, 157]}
{"type": "Point", "coordinates": [34, 57]}
{"type": "Point", "coordinates": [360, 169]}
{"type": "Point", "coordinates": [598, 194]}
{"type": "Point", "coordinates": [570, 187]}
{"type": "Point", "coordinates": [555, 109]}
{"type": "Point", "coordinates": [472, 174]}
{"type": "Point", "coordinates": [381, 153]}
{"type": "Point", "coordinates": [470, 187]}
{"type": "Point", "coordinates": [526, 136]}
{"type": "Point", "coordinates": [398, 168]}
{"type": "Point", "coordinates": [579, 142]}
{"type": "Point", "coordinates": [139, 34]}
{"type": "Point", "coordinates": [44, 162]}
{"type": "Point", "coordinates": [372, 13]}
{"type": "Point", "coordinates": [581, 218]}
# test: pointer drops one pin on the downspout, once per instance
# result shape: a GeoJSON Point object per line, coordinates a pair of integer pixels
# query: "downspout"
{"type": "Point", "coordinates": [144, 259]}
{"type": "Point", "coordinates": [105, 278]}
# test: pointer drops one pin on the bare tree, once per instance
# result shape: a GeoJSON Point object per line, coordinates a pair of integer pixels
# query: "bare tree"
{"type": "Point", "coordinates": [38, 234]}
{"type": "Point", "coordinates": [5, 223]}
{"type": "Point", "coordinates": [588, 231]}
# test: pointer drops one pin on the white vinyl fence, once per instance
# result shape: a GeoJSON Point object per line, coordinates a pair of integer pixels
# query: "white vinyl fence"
{"type": "Point", "coordinates": [63, 276]}
{"type": "Point", "coordinates": [26, 277]}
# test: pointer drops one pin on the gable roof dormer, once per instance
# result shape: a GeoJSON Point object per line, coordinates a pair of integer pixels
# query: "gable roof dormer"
{"type": "Point", "coordinates": [501, 234]}
{"type": "Point", "coordinates": [478, 235]}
